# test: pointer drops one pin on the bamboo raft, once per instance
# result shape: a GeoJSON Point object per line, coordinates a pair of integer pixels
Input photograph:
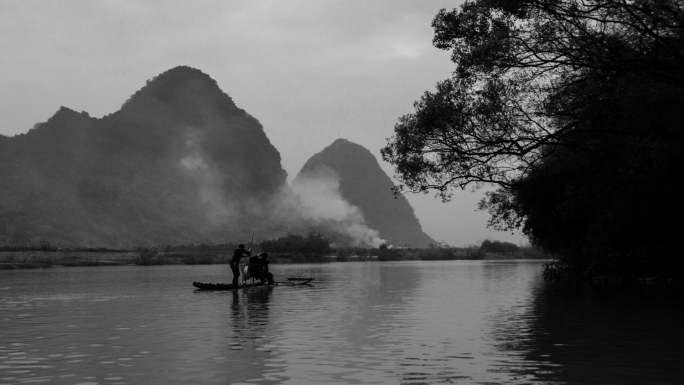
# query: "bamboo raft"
{"type": "Point", "coordinates": [294, 281]}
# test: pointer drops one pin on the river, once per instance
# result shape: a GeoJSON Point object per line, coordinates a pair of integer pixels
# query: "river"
{"type": "Point", "coordinates": [462, 322]}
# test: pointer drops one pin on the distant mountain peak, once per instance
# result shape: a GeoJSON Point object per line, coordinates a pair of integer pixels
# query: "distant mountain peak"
{"type": "Point", "coordinates": [341, 141]}
{"type": "Point", "coordinates": [365, 185]}
{"type": "Point", "coordinates": [63, 120]}
{"type": "Point", "coordinates": [183, 71]}
{"type": "Point", "coordinates": [345, 152]}
{"type": "Point", "coordinates": [64, 112]}
{"type": "Point", "coordinates": [345, 142]}
{"type": "Point", "coordinates": [185, 90]}
{"type": "Point", "coordinates": [178, 76]}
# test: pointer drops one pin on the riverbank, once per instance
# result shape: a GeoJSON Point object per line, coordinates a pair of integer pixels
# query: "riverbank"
{"type": "Point", "coordinates": [43, 259]}
{"type": "Point", "coordinates": [27, 259]}
{"type": "Point", "coordinates": [47, 259]}
{"type": "Point", "coordinates": [14, 260]}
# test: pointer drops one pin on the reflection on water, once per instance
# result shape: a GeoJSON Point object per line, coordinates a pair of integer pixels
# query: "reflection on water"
{"type": "Point", "coordinates": [596, 334]}
{"type": "Point", "coordinates": [385, 323]}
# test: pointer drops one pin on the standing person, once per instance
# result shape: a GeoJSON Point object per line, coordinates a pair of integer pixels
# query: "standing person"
{"type": "Point", "coordinates": [235, 261]}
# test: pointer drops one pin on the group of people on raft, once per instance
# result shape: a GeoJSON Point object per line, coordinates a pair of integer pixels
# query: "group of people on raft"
{"type": "Point", "coordinates": [258, 265]}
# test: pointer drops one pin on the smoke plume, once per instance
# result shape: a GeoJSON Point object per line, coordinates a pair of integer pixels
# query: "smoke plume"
{"type": "Point", "coordinates": [317, 200]}
{"type": "Point", "coordinates": [208, 180]}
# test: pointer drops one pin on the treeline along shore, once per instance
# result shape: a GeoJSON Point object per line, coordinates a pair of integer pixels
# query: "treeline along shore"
{"type": "Point", "coordinates": [292, 248]}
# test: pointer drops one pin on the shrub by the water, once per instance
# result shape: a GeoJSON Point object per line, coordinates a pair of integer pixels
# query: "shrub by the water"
{"type": "Point", "coordinates": [436, 254]}
{"type": "Point", "coordinates": [498, 247]}
{"type": "Point", "coordinates": [149, 256]}
{"type": "Point", "coordinates": [530, 252]}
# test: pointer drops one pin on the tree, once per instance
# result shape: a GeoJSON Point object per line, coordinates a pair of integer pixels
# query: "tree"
{"type": "Point", "coordinates": [526, 72]}
{"type": "Point", "coordinates": [287, 244]}
{"type": "Point", "coordinates": [498, 247]}
{"type": "Point", "coordinates": [572, 108]}
{"type": "Point", "coordinates": [316, 244]}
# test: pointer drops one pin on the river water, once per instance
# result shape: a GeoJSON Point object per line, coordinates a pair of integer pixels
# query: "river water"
{"type": "Point", "coordinates": [462, 322]}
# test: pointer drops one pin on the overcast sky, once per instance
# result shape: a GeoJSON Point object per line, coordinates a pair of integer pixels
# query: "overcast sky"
{"type": "Point", "coordinates": [310, 71]}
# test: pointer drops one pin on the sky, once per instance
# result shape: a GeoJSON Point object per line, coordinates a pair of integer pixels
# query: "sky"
{"type": "Point", "coordinates": [309, 71]}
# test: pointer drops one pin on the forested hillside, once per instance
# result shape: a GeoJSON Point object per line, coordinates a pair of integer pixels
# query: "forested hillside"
{"type": "Point", "coordinates": [178, 163]}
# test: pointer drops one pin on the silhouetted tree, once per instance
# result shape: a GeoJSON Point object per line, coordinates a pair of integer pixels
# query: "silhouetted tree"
{"type": "Point", "coordinates": [526, 72]}
{"type": "Point", "coordinates": [314, 246]}
{"type": "Point", "coordinates": [498, 247]}
{"type": "Point", "coordinates": [573, 109]}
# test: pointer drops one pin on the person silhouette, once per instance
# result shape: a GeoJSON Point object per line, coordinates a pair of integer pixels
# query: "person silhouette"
{"type": "Point", "coordinates": [235, 261]}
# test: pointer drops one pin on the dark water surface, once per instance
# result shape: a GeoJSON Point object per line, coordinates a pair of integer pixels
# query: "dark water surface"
{"type": "Point", "coordinates": [462, 322]}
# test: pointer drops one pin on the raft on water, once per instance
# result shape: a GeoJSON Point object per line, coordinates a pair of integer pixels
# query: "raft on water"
{"type": "Point", "coordinates": [296, 281]}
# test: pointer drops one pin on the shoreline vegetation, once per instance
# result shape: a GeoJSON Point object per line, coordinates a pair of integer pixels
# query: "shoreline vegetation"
{"type": "Point", "coordinates": [44, 255]}
{"type": "Point", "coordinates": [289, 249]}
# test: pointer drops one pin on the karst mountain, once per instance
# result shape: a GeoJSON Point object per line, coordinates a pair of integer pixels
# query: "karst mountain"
{"type": "Point", "coordinates": [363, 184]}
{"type": "Point", "coordinates": [178, 163]}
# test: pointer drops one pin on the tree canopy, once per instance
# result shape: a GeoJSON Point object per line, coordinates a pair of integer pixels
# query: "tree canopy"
{"type": "Point", "coordinates": [313, 244]}
{"type": "Point", "coordinates": [574, 109]}
{"type": "Point", "coordinates": [498, 247]}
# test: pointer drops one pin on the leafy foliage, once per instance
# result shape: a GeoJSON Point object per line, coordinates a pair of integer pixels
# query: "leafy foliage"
{"type": "Point", "coordinates": [572, 108]}
{"type": "Point", "coordinates": [498, 247]}
{"type": "Point", "coordinates": [530, 74]}
{"type": "Point", "coordinates": [313, 246]}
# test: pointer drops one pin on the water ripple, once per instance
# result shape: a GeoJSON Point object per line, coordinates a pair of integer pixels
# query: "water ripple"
{"type": "Point", "coordinates": [385, 323]}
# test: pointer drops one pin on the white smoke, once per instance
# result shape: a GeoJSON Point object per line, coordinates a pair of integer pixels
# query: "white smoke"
{"type": "Point", "coordinates": [207, 178]}
{"type": "Point", "coordinates": [310, 202]}
{"type": "Point", "coordinates": [319, 200]}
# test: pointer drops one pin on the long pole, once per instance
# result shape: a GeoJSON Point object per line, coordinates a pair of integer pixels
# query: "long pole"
{"type": "Point", "coordinates": [251, 244]}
